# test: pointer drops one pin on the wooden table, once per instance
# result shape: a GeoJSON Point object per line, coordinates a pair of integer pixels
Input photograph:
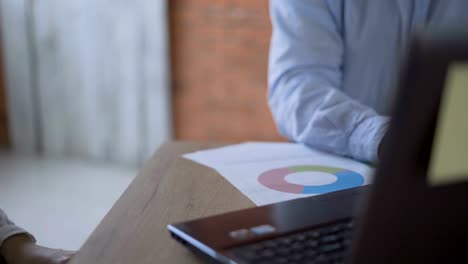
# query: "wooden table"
{"type": "Point", "coordinates": [168, 189]}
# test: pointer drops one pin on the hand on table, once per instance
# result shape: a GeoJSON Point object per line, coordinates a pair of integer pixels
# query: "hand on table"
{"type": "Point", "coordinates": [21, 249]}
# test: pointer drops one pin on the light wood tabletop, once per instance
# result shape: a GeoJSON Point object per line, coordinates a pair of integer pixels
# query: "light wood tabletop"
{"type": "Point", "coordinates": [168, 189]}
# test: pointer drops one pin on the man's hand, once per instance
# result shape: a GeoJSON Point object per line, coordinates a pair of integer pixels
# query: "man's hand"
{"type": "Point", "coordinates": [21, 249]}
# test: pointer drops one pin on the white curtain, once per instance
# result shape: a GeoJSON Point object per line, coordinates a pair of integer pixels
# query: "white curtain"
{"type": "Point", "coordinates": [87, 78]}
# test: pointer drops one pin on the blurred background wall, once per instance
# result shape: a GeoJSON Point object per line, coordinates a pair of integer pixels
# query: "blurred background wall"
{"type": "Point", "coordinates": [87, 79]}
{"type": "Point", "coordinates": [4, 139]}
{"type": "Point", "coordinates": [110, 80]}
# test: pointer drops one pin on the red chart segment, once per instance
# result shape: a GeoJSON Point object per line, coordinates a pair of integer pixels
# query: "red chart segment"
{"type": "Point", "coordinates": [274, 179]}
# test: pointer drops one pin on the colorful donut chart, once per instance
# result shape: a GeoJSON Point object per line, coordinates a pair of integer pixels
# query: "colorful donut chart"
{"type": "Point", "coordinates": [275, 180]}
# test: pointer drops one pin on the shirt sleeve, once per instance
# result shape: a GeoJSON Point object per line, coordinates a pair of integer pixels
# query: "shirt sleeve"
{"type": "Point", "coordinates": [305, 82]}
{"type": "Point", "coordinates": [8, 228]}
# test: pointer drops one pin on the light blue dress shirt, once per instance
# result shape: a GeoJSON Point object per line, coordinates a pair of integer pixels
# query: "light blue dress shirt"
{"type": "Point", "coordinates": [333, 67]}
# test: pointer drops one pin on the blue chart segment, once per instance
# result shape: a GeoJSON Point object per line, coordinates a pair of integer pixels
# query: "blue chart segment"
{"type": "Point", "coordinates": [275, 180]}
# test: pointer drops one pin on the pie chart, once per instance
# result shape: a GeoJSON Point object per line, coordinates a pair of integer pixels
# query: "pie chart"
{"type": "Point", "coordinates": [275, 179]}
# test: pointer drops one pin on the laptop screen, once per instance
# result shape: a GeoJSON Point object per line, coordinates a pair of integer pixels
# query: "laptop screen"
{"type": "Point", "coordinates": [449, 158]}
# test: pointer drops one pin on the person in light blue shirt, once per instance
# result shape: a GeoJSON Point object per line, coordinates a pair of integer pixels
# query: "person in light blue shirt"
{"type": "Point", "coordinates": [334, 64]}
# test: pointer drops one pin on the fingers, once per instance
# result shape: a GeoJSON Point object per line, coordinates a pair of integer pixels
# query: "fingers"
{"type": "Point", "coordinates": [62, 256]}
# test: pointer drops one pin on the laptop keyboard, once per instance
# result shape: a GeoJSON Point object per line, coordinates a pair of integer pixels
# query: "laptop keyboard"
{"type": "Point", "coordinates": [323, 245]}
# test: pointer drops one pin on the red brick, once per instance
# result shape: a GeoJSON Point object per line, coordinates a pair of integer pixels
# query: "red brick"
{"type": "Point", "coordinates": [219, 53]}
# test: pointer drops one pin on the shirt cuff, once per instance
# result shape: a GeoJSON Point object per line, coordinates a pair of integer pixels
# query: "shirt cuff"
{"type": "Point", "coordinates": [365, 140]}
{"type": "Point", "coordinates": [12, 230]}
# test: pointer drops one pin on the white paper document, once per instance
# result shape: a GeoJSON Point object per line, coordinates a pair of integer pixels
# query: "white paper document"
{"type": "Point", "coordinates": [273, 172]}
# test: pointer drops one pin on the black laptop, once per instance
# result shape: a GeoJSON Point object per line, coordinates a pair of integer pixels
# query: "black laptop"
{"type": "Point", "coordinates": [416, 210]}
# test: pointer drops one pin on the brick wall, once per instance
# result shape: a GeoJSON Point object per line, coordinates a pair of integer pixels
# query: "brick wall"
{"type": "Point", "coordinates": [219, 56]}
